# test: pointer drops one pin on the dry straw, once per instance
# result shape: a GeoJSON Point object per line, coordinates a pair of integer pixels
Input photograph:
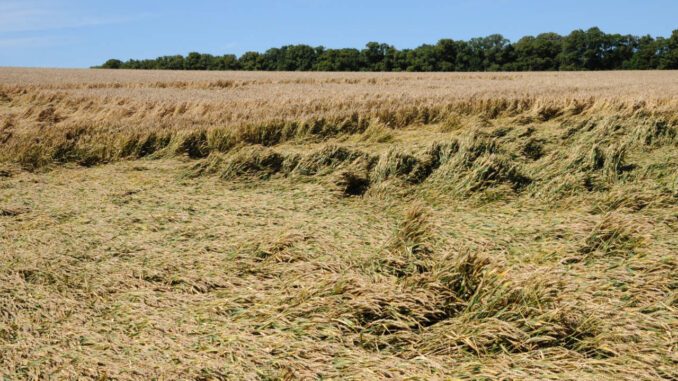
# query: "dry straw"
{"type": "Point", "coordinates": [215, 226]}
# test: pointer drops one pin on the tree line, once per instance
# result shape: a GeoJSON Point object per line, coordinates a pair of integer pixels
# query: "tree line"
{"type": "Point", "coordinates": [580, 50]}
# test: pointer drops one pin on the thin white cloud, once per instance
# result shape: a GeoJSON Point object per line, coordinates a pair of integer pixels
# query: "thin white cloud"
{"type": "Point", "coordinates": [32, 42]}
{"type": "Point", "coordinates": [27, 16]}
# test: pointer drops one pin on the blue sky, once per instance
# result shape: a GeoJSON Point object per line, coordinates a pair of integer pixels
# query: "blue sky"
{"type": "Point", "coordinates": [79, 33]}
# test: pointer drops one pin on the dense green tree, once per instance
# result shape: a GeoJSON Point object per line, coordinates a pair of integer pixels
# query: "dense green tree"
{"type": "Point", "coordinates": [228, 62]}
{"type": "Point", "coordinates": [374, 57]}
{"type": "Point", "coordinates": [298, 57]}
{"type": "Point", "coordinates": [112, 64]}
{"type": "Point", "coordinates": [537, 53]}
{"type": "Point", "coordinates": [446, 55]}
{"type": "Point", "coordinates": [422, 58]}
{"type": "Point", "coordinates": [251, 61]}
{"type": "Point", "coordinates": [574, 46]}
{"type": "Point", "coordinates": [495, 51]}
{"type": "Point", "coordinates": [668, 52]}
{"type": "Point", "coordinates": [618, 51]}
{"type": "Point", "coordinates": [594, 50]}
{"type": "Point", "coordinates": [580, 50]}
{"type": "Point", "coordinates": [194, 62]}
{"type": "Point", "coordinates": [338, 60]}
{"type": "Point", "coordinates": [645, 56]}
{"type": "Point", "coordinates": [170, 62]}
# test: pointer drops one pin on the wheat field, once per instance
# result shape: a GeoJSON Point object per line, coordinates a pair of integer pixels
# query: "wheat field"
{"type": "Point", "coordinates": [264, 226]}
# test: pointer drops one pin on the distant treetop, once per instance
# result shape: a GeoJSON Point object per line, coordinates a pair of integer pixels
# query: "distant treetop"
{"type": "Point", "coordinates": [580, 50]}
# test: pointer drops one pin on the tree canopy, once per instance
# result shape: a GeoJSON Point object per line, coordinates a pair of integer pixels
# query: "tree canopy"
{"type": "Point", "coordinates": [580, 50]}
